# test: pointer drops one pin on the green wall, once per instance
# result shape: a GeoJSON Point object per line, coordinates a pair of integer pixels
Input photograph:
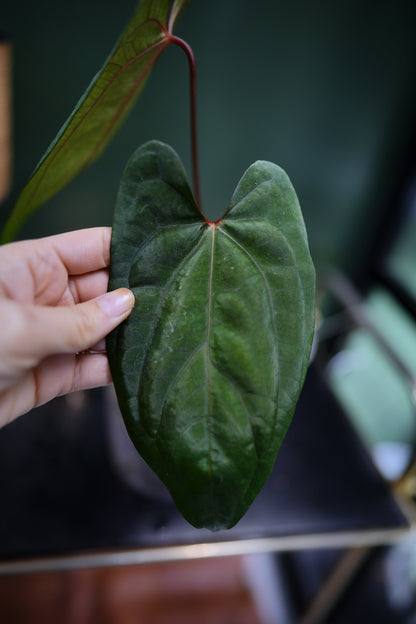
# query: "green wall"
{"type": "Point", "coordinates": [324, 89]}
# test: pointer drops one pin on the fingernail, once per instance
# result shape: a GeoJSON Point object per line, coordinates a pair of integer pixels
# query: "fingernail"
{"type": "Point", "coordinates": [117, 302]}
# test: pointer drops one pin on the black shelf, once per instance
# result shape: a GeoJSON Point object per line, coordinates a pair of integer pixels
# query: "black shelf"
{"type": "Point", "coordinates": [62, 495]}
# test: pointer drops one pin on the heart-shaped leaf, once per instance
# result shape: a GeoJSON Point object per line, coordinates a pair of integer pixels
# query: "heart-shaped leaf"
{"type": "Point", "coordinates": [209, 366]}
{"type": "Point", "coordinates": [102, 108]}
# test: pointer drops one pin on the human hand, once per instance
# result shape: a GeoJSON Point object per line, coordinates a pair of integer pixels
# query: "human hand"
{"type": "Point", "coordinates": [53, 308]}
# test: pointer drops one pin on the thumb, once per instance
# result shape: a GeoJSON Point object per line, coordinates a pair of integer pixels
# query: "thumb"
{"type": "Point", "coordinates": [35, 332]}
{"type": "Point", "coordinates": [94, 319]}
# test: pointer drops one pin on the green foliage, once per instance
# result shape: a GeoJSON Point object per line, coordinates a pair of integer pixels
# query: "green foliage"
{"type": "Point", "coordinates": [101, 109]}
{"type": "Point", "coordinates": [210, 364]}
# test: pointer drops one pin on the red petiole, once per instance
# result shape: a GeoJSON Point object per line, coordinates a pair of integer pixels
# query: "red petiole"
{"type": "Point", "coordinates": [194, 131]}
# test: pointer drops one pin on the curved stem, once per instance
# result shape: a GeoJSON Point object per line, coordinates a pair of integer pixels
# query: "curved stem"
{"type": "Point", "coordinates": [194, 134]}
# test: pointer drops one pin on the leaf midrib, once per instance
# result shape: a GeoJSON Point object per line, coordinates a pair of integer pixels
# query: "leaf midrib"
{"type": "Point", "coordinates": [208, 372]}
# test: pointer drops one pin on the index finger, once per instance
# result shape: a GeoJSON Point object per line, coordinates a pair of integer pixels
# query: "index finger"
{"type": "Point", "coordinates": [82, 251]}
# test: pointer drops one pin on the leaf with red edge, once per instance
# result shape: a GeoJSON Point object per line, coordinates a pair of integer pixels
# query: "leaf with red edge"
{"type": "Point", "coordinates": [101, 109]}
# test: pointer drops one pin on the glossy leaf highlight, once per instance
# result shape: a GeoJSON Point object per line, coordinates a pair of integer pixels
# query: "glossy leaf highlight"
{"type": "Point", "coordinates": [101, 109]}
{"type": "Point", "coordinates": [209, 366]}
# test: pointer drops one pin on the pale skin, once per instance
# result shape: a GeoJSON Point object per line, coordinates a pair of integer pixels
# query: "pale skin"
{"type": "Point", "coordinates": [54, 314]}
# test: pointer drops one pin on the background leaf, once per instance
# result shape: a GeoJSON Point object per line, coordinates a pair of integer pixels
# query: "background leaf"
{"type": "Point", "coordinates": [209, 366]}
{"type": "Point", "coordinates": [177, 7]}
{"type": "Point", "coordinates": [101, 109]}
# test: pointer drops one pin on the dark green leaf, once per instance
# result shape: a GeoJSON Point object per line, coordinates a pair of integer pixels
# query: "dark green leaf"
{"type": "Point", "coordinates": [209, 366]}
{"type": "Point", "coordinates": [101, 109]}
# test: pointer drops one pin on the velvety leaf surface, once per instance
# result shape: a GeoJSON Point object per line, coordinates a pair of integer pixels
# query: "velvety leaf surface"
{"type": "Point", "coordinates": [101, 109]}
{"type": "Point", "coordinates": [209, 366]}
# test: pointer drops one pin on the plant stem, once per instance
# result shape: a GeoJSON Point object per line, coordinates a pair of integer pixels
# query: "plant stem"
{"type": "Point", "coordinates": [194, 131]}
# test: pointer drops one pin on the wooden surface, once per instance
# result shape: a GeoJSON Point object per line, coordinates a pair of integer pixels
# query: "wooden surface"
{"type": "Point", "coordinates": [210, 591]}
